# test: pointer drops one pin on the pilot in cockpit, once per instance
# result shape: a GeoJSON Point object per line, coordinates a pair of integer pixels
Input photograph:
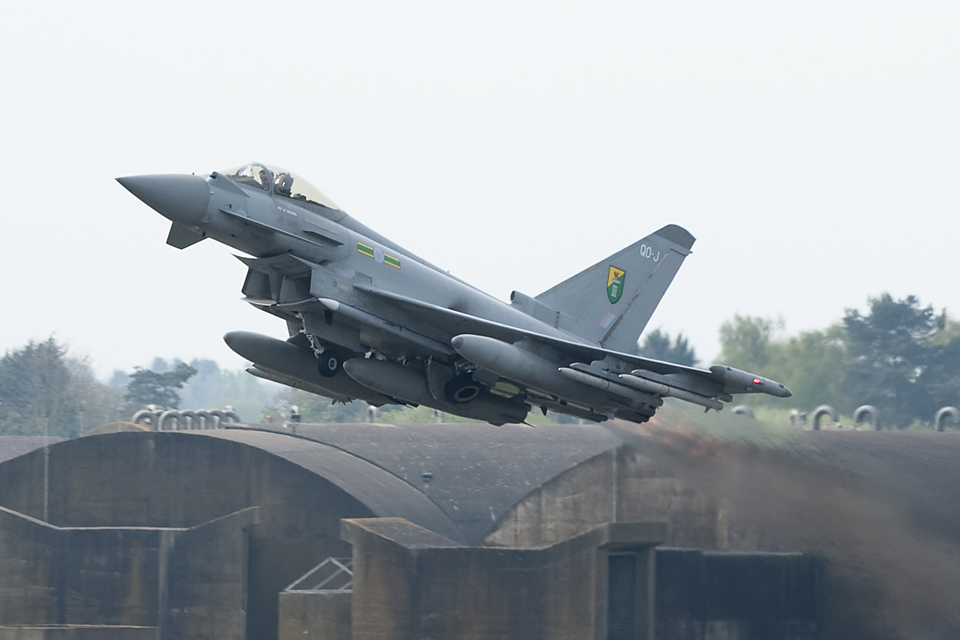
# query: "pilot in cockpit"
{"type": "Point", "coordinates": [264, 180]}
{"type": "Point", "coordinates": [283, 184]}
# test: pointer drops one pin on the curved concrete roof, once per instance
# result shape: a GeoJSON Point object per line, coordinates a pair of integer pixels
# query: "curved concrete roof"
{"type": "Point", "coordinates": [383, 493]}
{"type": "Point", "coordinates": [14, 446]}
{"type": "Point", "coordinates": [478, 471]}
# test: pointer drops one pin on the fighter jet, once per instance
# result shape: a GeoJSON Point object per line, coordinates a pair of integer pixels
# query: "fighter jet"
{"type": "Point", "coordinates": [369, 320]}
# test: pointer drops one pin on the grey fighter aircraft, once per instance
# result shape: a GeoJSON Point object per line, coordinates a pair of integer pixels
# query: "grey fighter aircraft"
{"type": "Point", "coordinates": [369, 320]}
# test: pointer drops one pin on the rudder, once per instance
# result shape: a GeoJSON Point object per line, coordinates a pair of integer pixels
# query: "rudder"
{"type": "Point", "coordinates": [612, 301]}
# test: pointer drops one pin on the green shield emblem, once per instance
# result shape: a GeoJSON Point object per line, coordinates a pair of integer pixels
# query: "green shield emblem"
{"type": "Point", "coordinates": [615, 279]}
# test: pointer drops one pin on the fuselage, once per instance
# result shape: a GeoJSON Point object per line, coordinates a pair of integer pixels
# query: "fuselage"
{"type": "Point", "coordinates": [348, 257]}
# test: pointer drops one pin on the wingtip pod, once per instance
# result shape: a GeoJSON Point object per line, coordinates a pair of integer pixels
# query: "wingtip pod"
{"type": "Point", "coordinates": [737, 381]}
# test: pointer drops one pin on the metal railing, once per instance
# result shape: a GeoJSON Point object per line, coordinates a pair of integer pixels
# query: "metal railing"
{"type": "Point", "coordinates": [333, 574]}
{"type": "Point", "coordinates": [172, 420]}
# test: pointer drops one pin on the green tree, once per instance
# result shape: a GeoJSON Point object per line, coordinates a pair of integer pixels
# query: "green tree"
{"type": "Point", "coordinates": [745, 341]}
{"type": "Point", "coordinates": [98, 403]}
{"type": "Point", "coordinates": [900, 356]}
{"type": "Point", "coordinates": [812, 364]}
{"type": "Point", "coordinates": [901, 361]}
{"type": "Point", "coordinates": [149, 387]}
{"type": "Point", "coordinates": [657, 345]}
{"type": "Point", "coordinates": [943, 374]}
{"type": "Point", "coordinates": [213, 388]}
{"type": "Point", "coordinates": [35, 385]}
{"type": "Point", "coordinates": [42, 389]}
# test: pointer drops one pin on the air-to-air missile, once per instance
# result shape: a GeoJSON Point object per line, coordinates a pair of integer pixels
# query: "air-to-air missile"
{"type": "Point", "coordinates": [369, 320]}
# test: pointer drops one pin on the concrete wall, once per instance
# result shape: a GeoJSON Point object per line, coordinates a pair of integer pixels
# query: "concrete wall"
{"type": "Point", "coordinates": [319, 615]}
{"type": "Point", "coordinates": [410, 584]}
{"type": "Point", "coordinates": [206, 579]}
{"type": "Point", "coordinates": [187, 583]}
{"type": "Point", "coordinates": [738, 596]}
{"type": "Point", "coordinates": [618, 485]}
{"type": "Point", "coordinates": [50, 575]}
{"type": "Point", "coordinates": [183, 480]}
{"type": "Point", "coordinates": [73, 632]}
{"type": "Point", "coordinates": [28, 567]}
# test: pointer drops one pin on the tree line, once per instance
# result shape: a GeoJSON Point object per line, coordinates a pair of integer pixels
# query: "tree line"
{"type": "Point", "coordinates": [44, 389]}
{"type": "Point", "coordinates": [899, 356]}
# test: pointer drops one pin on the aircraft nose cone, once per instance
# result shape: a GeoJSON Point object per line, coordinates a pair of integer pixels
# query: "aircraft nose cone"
{"type": "Point", "coordinates": [180, 198]}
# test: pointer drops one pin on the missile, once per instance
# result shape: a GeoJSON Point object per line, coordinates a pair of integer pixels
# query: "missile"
{"type": "Point", "coordinates": [291, 361]}
{"type": "Point", "coordinates": [607, 385]}
{"type": "Point", "coordinates": [737, 381]}
{"type": "Point", "coordinates": [657, 389]}
{"type": "Point", "coordinates": [532, 370]}
{"type": "Point", "coordinates": [570, 409]}
{"type": "Point", "coordinates": [653, 390]}
{"type": "Point", "coordinates": [410, 385]}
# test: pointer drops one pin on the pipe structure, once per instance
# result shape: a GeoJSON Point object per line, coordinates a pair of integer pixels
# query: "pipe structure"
{"type": "Point", "coordinates": [823, 410]}
{"type": "Point", "coordinates": [207, 420]}
{"type": "Point", "coordinates": [744, 410]}
{"type": "Point", "coordinates": [220, 417]}
{"type": "Point", "coordinates": [940, 420]}
{"type": "Point", "coordinates": [185, 420]}
{"type": "Point", "coordinates": [146, 416]}
{"type": "Point", "coordinates": [868, 413]}
{"type": "Point", "coordinates": [166, 416]}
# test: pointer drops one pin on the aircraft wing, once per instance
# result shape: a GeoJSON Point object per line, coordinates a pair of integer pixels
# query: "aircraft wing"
{"type": "Point", "coordinates": [587, 364]}
{"type": "Point", "coordinates": [447, 320]}
{"type": "Point", "coordinates": [456, 323]}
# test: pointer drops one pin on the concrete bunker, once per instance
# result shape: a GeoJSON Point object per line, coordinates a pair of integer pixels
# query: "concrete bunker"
{"type": "Point", "coordinates": [507, 492]}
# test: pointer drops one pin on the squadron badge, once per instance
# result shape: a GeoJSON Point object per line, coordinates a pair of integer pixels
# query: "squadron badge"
{"type": "Point", "coordinates": [615, 278]}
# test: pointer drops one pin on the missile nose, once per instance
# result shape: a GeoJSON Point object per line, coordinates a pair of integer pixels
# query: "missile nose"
{"type": "Point", "coordinates": [234, 337]}
{"type": "Point", "coordinates": [180, 198]}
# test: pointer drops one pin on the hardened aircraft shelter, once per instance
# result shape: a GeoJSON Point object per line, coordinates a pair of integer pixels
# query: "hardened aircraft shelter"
{"type": "Point", "coordinates": [439, 530]}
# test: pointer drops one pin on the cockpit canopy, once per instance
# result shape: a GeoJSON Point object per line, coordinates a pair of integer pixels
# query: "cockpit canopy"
{"type": "Point", "coordinates": [281, 182]}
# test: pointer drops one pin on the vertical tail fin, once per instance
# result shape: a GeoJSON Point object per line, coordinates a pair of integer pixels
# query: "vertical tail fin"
{"type": "Point", "coordinates": [612, 301]}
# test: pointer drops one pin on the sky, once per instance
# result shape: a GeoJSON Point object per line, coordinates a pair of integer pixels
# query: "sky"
{"type": "Point", "coordinates": [813, 149]}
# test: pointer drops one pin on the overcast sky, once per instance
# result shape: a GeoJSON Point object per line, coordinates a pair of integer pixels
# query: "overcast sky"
{"type": "Point", "coordinates": [813, 148]}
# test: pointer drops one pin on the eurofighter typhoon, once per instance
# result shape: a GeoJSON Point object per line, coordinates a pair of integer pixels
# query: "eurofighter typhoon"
{"type": "Point", "coordinates": [369, 320]}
